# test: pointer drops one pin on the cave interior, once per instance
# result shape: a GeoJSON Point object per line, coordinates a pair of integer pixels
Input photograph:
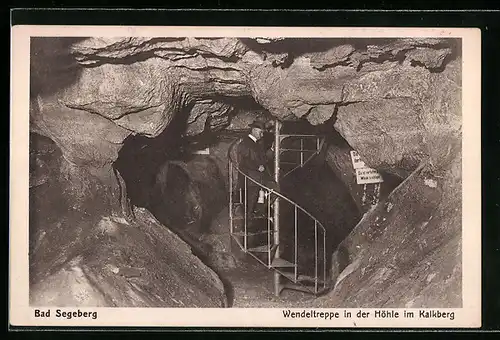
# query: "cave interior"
{"type": "Point", "coordinates": [95, 140]}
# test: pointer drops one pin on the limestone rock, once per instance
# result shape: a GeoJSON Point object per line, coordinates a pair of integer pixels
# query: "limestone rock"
{"type": "Point", "coordinates": [207, 114]}
{"type": "Point", "coordinates": [332, 57]}
{"type": "Point", "coordinates": [78, 290]}
{"type": "Point", "coordinates": [140, 83]}
{"type": "Point", "coordinates": [39, 172]}
{"type": "Point", "coordinates": [386, 132]}
{"type": "Point", "coordinates": [138, 97]}
{"type": "Point", "coordinates": [43, 151]}
{"type": "Point", "coordinates": [442, 113]}
{"type": "Point", "coordinates": [114, 90]}
{"type": "Point", "coordinates": [197, 120]}
{"type": "Point", "coordinates": [93, 50]}
{"type": "Point", "coordinates": [401, 47]}
{"type": "Point", "coordinates": [213, 83]}
{"type": "Point", "coordinates": [396, 101]}
{"type": "Point", "coordinates": [396, 82]}
{"type": "Point", "coordinates": [205, 67]}
{"type": "Point", "coordinates": [424, 110]}
{"type": "Point", "coordinates": [219, 119]}
{"type": "Point", "coordinates": [277, 59]}
{"type": "Point", "coordinates": [344, 74]}
{"type": "Point", "coordinates": [222, 260]}
{"type": "Point", "coordinates": [430, 58]}
{"type": "Point", "coordinates": [84, 138]}
{"type": "Point", "coordinates": [242, 118]}
{"type": "Point", "coordinates": [187, 195]}
{"type": "Point", "coordinates": [295, 90]}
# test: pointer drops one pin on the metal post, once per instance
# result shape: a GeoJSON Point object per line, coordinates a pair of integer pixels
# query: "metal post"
{"type": "Point", "coordinates": [301, 152]}
{"type": "Point", "coordinates": [269, 259]}
{"type": "Point", "coordinates": [315, 256]}
{"type": "Point", "coordinates": [231, 223]}
{"type": "Point", "coordinates": [324, 259]}
{"type": "Point", "coordinates": [277, 127]}
{"type": "Point", "coordinates": [245, 217]}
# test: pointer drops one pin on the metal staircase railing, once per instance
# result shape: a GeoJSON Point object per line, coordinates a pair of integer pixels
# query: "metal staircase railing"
{"type": "Point", "coordinates": [267, 251]}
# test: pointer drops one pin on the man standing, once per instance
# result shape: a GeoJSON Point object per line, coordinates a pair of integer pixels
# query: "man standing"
{"type": "Point", "coordinates": [252, 161]}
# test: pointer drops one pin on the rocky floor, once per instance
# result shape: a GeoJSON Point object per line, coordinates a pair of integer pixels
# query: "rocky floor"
{"type": "Point", "coordinates": [252, 285]}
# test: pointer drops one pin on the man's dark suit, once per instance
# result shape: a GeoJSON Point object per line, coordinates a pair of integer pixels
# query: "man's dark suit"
{"type": "Point", "coordinates": [251, 156]}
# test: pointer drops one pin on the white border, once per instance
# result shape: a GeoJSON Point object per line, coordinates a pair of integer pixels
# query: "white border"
{"type": "Point", "coordinates": [22, 314]}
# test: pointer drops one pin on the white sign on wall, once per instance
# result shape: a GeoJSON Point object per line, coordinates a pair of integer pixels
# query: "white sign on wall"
{"type": "Point", "coordinates": [364, 174]}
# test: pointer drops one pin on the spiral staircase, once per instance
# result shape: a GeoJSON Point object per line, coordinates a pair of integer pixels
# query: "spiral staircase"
{"type": "Point", "coordinates": [295, 250]}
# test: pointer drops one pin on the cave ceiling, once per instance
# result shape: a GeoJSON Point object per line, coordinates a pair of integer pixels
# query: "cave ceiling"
{"type": "Point", "coordinates": [138, 84]}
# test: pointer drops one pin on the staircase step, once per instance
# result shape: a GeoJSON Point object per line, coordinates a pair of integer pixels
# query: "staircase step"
{"type": "Point", "coordinates": [262, 249]}
{"type": "Point", "coordinates": [281, 263]}
{"type": "Point", "coordinates": [253, 218]}
{"type": "Point", "coordinates": [290, 276]}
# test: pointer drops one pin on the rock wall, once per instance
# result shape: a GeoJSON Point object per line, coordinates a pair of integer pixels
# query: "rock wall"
{"type": "Point", "coordinates": [388, 101]}
{"type": "Point", "coordinates": [406, 252]}
{"type": "Point", "coordinates": [187, 195]}
{"type": "Point", "coordinates": [126, 265]}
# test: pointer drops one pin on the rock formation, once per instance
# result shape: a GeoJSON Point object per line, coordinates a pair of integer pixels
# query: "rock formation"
{"type": "Point", "coordinates": [396, 101]}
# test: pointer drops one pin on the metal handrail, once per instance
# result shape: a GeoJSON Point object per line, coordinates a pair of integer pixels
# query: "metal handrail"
{"type": "Point", "coordinates": [319, 145]}
{"type": "Point", "coordinates": [317, 223]}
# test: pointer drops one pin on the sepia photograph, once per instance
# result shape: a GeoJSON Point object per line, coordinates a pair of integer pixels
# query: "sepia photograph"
{"type": "Point", "coordinates": [246, 171]}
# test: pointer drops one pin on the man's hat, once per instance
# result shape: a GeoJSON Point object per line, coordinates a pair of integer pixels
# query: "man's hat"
{"type": "Point", "coordinates": [258, 124]}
